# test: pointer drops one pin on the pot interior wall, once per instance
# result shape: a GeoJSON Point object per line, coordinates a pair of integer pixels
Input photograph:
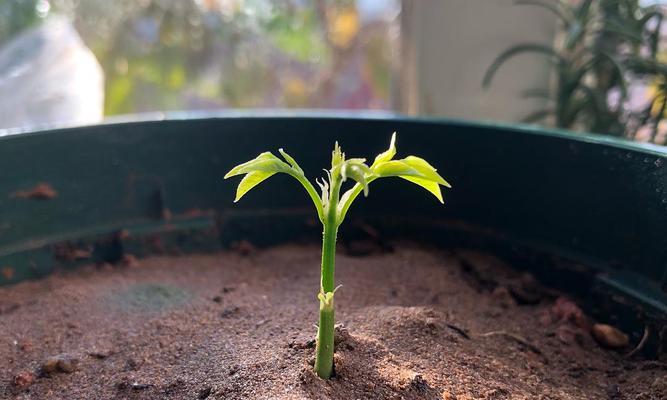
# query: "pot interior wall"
{"type": "Point", "coordinates": [569, 205]}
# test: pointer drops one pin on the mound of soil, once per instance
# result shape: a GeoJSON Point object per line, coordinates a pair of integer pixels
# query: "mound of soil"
{"type": "Point", "coordinates": [418, 323]}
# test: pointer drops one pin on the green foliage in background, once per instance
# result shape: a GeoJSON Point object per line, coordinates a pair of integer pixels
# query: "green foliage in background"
{"type": "Point", "coordinates": [605, 45]}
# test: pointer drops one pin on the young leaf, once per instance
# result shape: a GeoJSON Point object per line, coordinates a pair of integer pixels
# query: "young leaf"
{"type": "Point", "coordinates": [291, 161]}
{"type": "Point", "coordinates": [266, 165]}
{"type": "Point", "coordinates": [394, 168]}
{"type": "Point", "coordinates": [409, 166]}
{"type": "Point", "coordinates": [265, 162]}
{"type": "Point", "coordinates": [357, 170]}
{"type": "Point", "coordinates": [389, 154]}
{"type": "Point", "coordinates": [426, 169]}
{"type": "Point", "coordinates": [337, 157]}
{"type": "Point", "coordinates": [413, 169]}
{"type": "Point", "coordinates": [249, 181]}
{"type": "Point", "coordinates": [324, 187]}
{"type": "Point", "coordinates": [431, 186]}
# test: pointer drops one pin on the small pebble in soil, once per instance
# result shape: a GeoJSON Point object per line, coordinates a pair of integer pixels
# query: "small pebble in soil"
{"type": "Point", "coordinates": [217, 299]}
{"type": "Point", "coordinates": [61, 363]}
{"type": "Point", "coordinates": [23, 379]}
{"type": "Point", "coordinates": [609, 336]}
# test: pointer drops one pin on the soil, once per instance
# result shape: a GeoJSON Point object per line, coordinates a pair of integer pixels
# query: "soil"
{"type": "Point", "coordinates": [419, 323]}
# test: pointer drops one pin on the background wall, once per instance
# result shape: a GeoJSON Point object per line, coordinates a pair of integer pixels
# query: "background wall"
{"type": "Point", "coordinates": [448, 45]}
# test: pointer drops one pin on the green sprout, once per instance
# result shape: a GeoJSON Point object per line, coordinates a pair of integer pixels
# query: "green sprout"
{"type": "Point", "coordinates": [332, 208]}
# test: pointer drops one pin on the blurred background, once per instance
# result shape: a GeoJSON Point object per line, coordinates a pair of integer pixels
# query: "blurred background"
{"type": "Point", "coordinates": [583, 65]}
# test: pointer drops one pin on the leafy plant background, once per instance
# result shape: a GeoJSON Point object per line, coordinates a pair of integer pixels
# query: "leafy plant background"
{"type": "Point", "coordinates": [609, 68]}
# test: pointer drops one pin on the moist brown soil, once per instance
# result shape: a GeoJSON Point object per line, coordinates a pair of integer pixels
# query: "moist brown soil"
{"type": "Point", "coordinates": [419, 323]}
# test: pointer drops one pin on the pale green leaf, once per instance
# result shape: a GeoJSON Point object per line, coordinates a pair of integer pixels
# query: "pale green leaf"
{"type": "Point", "coordinates": [389, 153]}
{"type": "Point", "coordinates": [426, 169]}
{"type": "Point", "coordinates": [291, 161]}
{"type": "Point", "coordinates": [409, 166]}
{"type": "Point", "coordinates": [431, 186]}
{"type": "Point", "coordinates": [337, 157]}
{"type": "Point", "coordinates": [265, 162]}
{"type": "Point", "coordinates": [357, 170]}
{"type": "Point", "coordinates": [251, 180]}
{"type": "Point", "coordinates": [266, 165]}
{"type": "Point", "coordinates": [324, 188]}
{"type": "Point", "coordinates": [394, 168]}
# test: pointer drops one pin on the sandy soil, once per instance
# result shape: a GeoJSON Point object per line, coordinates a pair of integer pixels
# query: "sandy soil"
{"type": "Point", "coordinates": [419, 323]}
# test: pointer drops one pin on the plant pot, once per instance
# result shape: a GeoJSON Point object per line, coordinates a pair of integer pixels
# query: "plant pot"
{"type": "Point", "coordinates": [182, 294]}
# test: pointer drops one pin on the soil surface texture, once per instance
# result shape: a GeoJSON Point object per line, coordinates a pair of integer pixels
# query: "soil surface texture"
{"type": "Point", "coordinates": [417, 323]}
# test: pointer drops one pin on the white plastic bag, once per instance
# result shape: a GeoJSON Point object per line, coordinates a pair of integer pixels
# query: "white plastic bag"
{"type": "Point", "coordinates": [48, 77]}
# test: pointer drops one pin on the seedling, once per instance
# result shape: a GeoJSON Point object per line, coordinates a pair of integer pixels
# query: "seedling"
{"type": "Point", "coordinates": [332, 208]}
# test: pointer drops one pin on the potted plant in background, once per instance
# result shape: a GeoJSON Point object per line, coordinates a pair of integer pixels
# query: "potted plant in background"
{"type": "Point", "coordinates": [607, 47]}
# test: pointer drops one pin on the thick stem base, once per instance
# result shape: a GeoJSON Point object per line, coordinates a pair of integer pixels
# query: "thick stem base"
{"type": "Point", "coordinates": [325, 340]}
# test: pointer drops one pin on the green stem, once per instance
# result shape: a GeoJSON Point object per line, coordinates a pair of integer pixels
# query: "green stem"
{"type": "Point", "coordinates": [325, 331]}
{"type": "Point", "coordinates": [328, 258]}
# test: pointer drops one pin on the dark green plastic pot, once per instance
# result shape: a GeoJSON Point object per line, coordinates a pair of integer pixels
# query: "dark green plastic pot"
{"type": "Point", "coordinates": [587, 213]}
